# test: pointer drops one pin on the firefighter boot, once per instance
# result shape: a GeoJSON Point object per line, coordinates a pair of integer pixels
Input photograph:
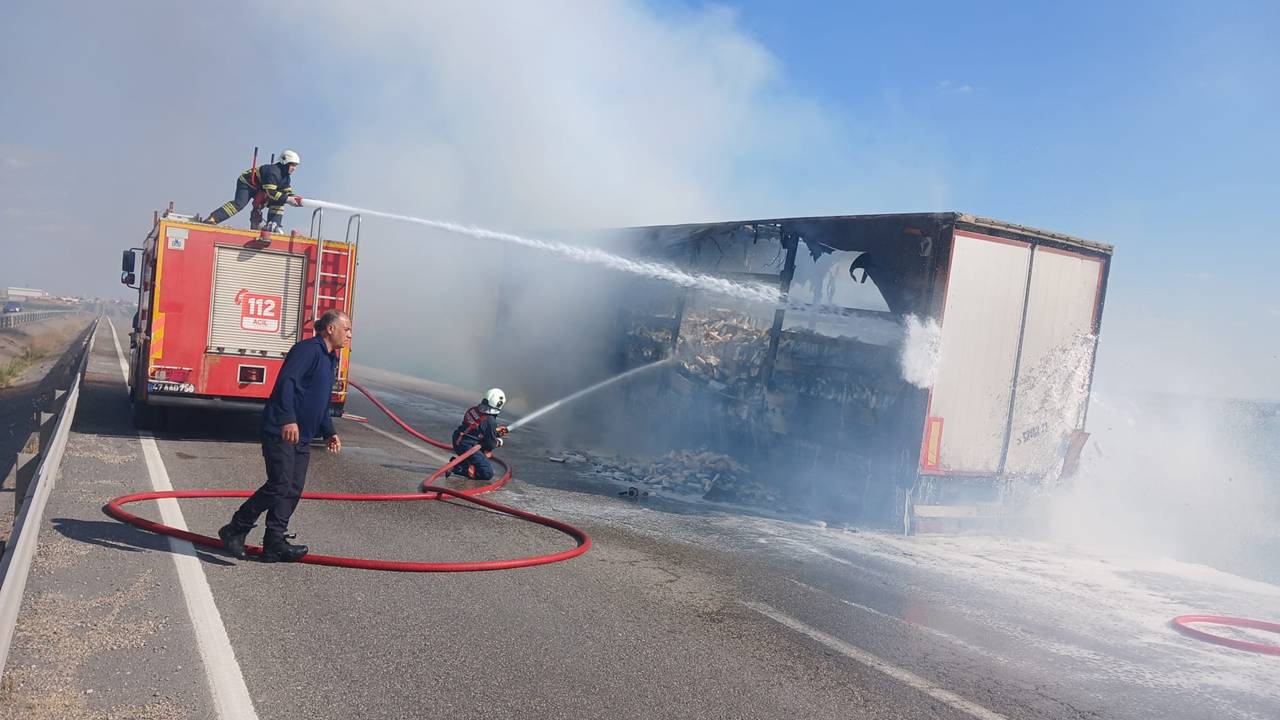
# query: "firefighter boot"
{"type": "Point", "coordinates": [277, 548]}
{"type": "Point", "coordinates": [233, 539]}
{"type": "Point", "coordinates": [469, 472]}
{"type": "Point", "coordinates": [255, 218]}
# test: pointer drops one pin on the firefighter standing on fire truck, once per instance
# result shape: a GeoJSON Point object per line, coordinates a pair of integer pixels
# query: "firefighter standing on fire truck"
{"type": "Point", "coordinates": [267, 186]}
{"type": "Point", "coordinates": [480, 427]}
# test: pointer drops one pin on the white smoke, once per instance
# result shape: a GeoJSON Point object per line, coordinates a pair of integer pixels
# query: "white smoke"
{"type": "Point", "coordinates": [542, 118]}
{"type": "Point", "coordinates": [1181, 476]}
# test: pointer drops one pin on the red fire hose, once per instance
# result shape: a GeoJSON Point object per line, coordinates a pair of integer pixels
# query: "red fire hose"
{"type": "Point", "coordinates": [1183, 623]}
{"type": "Point", "coordinates": [115, 508]}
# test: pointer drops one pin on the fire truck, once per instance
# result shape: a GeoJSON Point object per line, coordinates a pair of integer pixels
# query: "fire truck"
{"type": "Point", "coordinates": [219, 307]}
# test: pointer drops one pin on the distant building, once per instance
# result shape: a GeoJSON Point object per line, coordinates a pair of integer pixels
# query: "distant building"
{"type": "Point", "coordinates": [17, 293]}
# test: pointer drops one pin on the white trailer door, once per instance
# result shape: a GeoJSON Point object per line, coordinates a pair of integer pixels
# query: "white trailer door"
{"type": "Point", "coordinates": [981, 320]}
{"type": "Point", "coordinates": [1057, 357]}
{"type": "Point", "coordinates": [257, 300]}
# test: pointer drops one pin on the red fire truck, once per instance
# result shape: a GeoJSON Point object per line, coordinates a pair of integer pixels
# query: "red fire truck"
{"type": "Point", "coordinates": [218, 308]}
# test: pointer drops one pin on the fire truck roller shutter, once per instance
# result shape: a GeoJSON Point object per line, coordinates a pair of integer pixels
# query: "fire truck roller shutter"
{"type": "Point", "coordinates": [257, 300]}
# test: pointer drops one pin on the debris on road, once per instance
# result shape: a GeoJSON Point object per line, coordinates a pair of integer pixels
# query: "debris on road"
{"type": "Point", "coordinates": [698, 473]}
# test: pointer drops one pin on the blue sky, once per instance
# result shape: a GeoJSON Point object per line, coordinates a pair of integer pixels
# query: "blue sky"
{"type": "Point", "coordinates": [1158, 118]}
{"type": "Point", "coordinates": [1151, 126]}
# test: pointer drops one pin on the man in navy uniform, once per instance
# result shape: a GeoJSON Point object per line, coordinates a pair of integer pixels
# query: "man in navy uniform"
{"type": "Point", "coordinates": [297, 411]}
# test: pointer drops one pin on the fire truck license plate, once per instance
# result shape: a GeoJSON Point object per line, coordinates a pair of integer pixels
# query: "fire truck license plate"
{"type": "Point", "coordinates": [260, 313]}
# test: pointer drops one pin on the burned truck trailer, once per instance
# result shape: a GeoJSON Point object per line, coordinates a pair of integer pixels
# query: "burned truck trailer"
{"type": "Point", "coordinates": [923, 368]}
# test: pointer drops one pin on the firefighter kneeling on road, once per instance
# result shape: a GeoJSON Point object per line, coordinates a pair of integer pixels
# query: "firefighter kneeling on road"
{"type": "Point", "coordinates": [480, 427]}
{"type": "Point", "coordinates": [270, 186]}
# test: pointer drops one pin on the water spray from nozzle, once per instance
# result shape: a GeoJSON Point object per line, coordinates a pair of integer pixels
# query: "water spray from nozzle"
{"type": "Point", "coordinates": [754, 292]}
{"type": "Point", "coordinates": [749, 292]}
{"type": "Point", "coordinates": [584, 392]}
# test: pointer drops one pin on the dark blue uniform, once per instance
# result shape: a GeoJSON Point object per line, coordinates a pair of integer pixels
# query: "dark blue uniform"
{"type": "Point", "coordinates": [301, 395]}
{"type": "Point", "coordinates": [275, 184]}
{"type": "Point", "coordinates": [477, 428]}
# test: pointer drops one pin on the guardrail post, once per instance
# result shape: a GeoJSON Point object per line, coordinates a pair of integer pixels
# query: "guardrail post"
{"type": "Point", "coordinates": [24, 471]}
{"type": "Point", "coordinates": [46, 423]}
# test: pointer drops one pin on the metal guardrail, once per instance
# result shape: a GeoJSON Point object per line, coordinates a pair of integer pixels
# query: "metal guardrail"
{"type": "Point", "coordinates": [36, 474]}
{"type": "Point", "coordinates": [22, 318]}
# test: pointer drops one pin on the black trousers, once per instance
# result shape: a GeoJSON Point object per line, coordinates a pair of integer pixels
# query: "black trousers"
{"type": "Point", "coordinates": [279, 495]}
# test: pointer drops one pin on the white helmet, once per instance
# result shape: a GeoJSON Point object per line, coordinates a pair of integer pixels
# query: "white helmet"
{"type": "Point", "coordinates": [288, 157]}
{"type": "Point", "coordinates": [495, 399]}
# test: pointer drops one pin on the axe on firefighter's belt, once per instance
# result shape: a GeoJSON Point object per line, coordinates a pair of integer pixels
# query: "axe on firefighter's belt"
{"type": "Point", "coordinates": [259, 197]}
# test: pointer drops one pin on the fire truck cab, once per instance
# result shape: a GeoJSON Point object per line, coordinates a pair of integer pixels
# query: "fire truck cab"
{"type": "Point", "coordinates": [219, 307]}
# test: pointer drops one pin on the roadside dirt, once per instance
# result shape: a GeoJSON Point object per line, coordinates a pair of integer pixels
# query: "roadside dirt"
{"type": "Point", "coordinates": [29, 356]}
{"type": "Point", "coordinates": [27, 351]}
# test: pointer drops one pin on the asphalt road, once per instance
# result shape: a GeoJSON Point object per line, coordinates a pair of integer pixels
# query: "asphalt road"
{"type": "Point", "coordinates": [679, 610]}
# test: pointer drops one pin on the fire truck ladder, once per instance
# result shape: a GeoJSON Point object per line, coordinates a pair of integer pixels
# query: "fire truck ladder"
{"type": "Point", "coordinates": [337, 284]}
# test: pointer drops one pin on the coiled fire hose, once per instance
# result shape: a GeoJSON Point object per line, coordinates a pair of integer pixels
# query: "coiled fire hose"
{"type": "Point", "coordinates": [1183, 624]}
{"type": "Point", "coordinates": [428, 491]}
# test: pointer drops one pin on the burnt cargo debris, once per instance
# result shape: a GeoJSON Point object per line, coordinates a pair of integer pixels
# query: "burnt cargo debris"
{"type": "Point", "coordinates": [689, 473]}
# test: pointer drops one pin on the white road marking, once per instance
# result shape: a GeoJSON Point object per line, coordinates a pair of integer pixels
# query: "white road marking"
{"type": "Point", "coordinates": [226, 682]}
{"type": "Point", "coordinates": [428, 451]}
{"type": "Point", "coordinates": [124, 366]}
{"type": "Point", "coordinates": [906, 677]}
{"type": "Point", "coordinates": [893, 618]}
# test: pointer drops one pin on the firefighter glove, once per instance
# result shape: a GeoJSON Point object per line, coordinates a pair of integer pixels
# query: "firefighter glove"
{"type": "Point", "coordinates": [296, 200]}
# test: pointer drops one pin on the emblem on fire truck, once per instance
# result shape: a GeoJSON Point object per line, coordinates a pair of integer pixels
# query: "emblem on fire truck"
{"type": "Point", "coordinates": [259, 313]}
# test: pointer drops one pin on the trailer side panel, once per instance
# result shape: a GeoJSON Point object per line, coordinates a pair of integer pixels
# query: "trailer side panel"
{"type": "Point", "coordinates": [981, 323]}
{"type": "Point", "coordinates": [1057, 355]}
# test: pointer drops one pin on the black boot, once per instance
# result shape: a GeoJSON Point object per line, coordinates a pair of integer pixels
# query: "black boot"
{"type": "Point", "coordinates": [277, 548]}
{"type": "Point", "coordinates": [233, 538]}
